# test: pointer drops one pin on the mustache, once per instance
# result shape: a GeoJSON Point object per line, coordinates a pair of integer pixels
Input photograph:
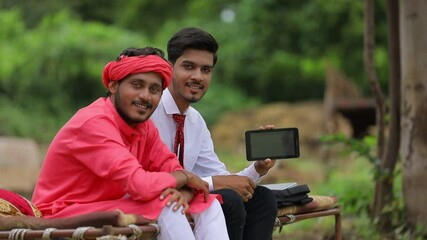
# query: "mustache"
{"type": "Point", "coordinates": [149, 104]}
{"type": "Point", "coordinates": [196, 83]}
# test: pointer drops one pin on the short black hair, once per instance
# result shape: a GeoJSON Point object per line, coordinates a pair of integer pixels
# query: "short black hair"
{"type": "Point", "coordinates": [193, 38]}
{"type": "Point", "coordinates": [132, 52]}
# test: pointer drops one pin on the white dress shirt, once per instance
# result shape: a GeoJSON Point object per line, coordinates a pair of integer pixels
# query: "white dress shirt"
{"type": "Point", "coordinates": [199, 155]}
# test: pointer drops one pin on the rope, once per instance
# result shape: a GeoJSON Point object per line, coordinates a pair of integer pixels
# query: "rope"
{"type": "Point", "coordinates": [291, 218]}
{"type": "Point", "coordinates": [278, 224]}
{"type": "Point", "coordinates": [157, 229]}
{"type": "Point", "coordinates": [79, 233]}
{"type": "Point", "coordinates": [156, 226]}
{"type": "Point", "coordinates": [47, 232]}
{"type": "Point", "coordinates": [111, 237]}
{"type": "Point", "coordinates": [137, 232]}
{"type": "Point", "coordinates": [17, 234]}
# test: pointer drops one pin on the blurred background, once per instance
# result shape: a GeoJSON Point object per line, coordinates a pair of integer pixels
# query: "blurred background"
{"type": "Point", "coordinates": [280, 62]}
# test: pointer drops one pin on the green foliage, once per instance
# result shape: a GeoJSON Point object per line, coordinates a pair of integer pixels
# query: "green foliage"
{"type": "Point", "coordinates": [356, 190]}
{"type": "Point", "coordinates": [271, 50]}
{"type": "Point", "coordinates": [48, 76]}
{"type": "Point", "coordinates": [314, 31]}
{"type": "Point", "coordinates": [295, 72]}
{"type": "Point", "coordinates": [61, 73]}
{"type": "Point", "coordinates": [364, 148]}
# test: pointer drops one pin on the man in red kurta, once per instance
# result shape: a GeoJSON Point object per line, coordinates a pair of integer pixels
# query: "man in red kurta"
{"type": "Point", "coordinates": [109, 156]}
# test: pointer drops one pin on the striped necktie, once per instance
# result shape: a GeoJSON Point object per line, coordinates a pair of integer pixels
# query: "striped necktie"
{"type": "Point", "coordinates": [179, 137]}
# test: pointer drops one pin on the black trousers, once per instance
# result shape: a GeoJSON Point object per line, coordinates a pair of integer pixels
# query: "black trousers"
{"type": "Point", "coordinates": [253, 220]}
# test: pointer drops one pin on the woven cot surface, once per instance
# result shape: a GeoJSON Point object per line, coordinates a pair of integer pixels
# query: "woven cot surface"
{"type": "Point", "coordinates": [13, 204]}
{"type": "Point", "coordinates": [319, 203]}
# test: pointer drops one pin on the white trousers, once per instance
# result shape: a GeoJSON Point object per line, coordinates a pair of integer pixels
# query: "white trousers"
{"type": "Point", "coordinates": [208, 225]}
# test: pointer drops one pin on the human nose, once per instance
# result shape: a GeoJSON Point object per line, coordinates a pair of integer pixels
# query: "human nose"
{"type": "Point", "coordinates": [197, 75]}
{"type": "Point", "coordinates": [144, 94]}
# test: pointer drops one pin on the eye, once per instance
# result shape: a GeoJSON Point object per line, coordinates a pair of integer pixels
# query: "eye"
{"type": "Point", "coordinates": [188, 66]}
{"type": "Point", "coordinates": [136, 84]}
{"type": "Point", "coordinates": [206, 70]}
{"type": "Point", "coordinates": [156, 90]}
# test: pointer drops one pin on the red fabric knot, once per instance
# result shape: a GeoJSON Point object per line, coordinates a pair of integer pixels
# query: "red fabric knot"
{"type": "Point", "coordinates": [179, 137]}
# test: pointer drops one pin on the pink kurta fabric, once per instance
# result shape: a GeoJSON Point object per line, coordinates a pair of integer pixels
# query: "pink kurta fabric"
{"type": "Point", "coordinates": [99, 163]}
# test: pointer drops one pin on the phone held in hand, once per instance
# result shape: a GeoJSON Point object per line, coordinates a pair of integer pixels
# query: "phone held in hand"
{"type": "Point", "coordinates": [279, 143]}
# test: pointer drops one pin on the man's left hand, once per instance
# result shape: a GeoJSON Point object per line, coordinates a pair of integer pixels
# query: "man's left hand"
{"type": "Point", "coordinates": [263, 166]}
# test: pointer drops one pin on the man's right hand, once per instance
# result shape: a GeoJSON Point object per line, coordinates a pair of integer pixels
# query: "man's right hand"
{"type": "Point", "coordinates": [177, 197]}
{"type": "Point", "coordinates": [243, 185]}
{"type": "Point", "coordinates": [196, 183]}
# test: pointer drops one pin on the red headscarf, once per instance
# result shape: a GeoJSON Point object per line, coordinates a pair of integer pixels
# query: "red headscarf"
{"type": "Point", "coordinates": [117, 70]}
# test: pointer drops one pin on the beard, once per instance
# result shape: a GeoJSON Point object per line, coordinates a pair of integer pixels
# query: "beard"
{"type": "Point", "coordinates": [118, 103]}
{"type": "Point", "coordinates": [189, 98]}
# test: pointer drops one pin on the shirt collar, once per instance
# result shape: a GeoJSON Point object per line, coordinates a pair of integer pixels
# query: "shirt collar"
{"type": "Point", "coordinates": [169, 103]}
{"type": "Point", "coordinates": [171, 108]}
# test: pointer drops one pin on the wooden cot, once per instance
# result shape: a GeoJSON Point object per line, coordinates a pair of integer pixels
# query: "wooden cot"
{"type": "Point", "coordinates": [293, 218]}
{"type": "Point", "coordinates": [148, 231]}
{"type": "Point", "coordinates": [116, 225]}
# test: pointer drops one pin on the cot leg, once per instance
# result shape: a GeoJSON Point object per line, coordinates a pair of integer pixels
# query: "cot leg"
{"type": "Point", "coordinates": [338, 226]}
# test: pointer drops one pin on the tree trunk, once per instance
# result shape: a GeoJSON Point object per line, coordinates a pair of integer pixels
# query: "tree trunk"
{"type": "Point", "coordinates": [413, 18]}
{"type": "Point", "coordinates": [384, 185]}
{"type": "Point", "coordinates": [384, 180]}
{"type": "Point", "coordinates": [369, 48]}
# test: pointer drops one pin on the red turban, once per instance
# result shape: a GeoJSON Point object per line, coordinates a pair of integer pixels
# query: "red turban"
{"type": "Point", "coordinates": [117, 70]}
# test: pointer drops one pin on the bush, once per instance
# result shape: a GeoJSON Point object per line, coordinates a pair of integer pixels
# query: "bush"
{"type": "Point", "coordinates": [54, 69]}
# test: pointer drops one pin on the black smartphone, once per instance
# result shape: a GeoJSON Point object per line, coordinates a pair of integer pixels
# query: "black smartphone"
{"type": "Point", "coordinates": [279, 143]}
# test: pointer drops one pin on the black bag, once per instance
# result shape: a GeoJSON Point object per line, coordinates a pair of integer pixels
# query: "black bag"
{"type": "Point", "coordinates": [296, 195]}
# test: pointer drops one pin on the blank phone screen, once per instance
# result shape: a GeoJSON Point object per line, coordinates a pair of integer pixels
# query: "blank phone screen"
{"type": "Point", "coordinates": [275, 144]}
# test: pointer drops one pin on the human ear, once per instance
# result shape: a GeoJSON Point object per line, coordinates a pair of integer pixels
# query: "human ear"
{"type": "Point", "coordinates": [112, 86]}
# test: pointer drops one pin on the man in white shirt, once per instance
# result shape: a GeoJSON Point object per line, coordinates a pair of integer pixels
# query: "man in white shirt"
{"type": "Point", "coordinates": [250, 210]}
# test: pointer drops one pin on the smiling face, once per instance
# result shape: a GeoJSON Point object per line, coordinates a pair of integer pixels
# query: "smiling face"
{"type": "Point", "coordinates": [136, 96]}
{"type": "Point", "coordinates": [192, 73]}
